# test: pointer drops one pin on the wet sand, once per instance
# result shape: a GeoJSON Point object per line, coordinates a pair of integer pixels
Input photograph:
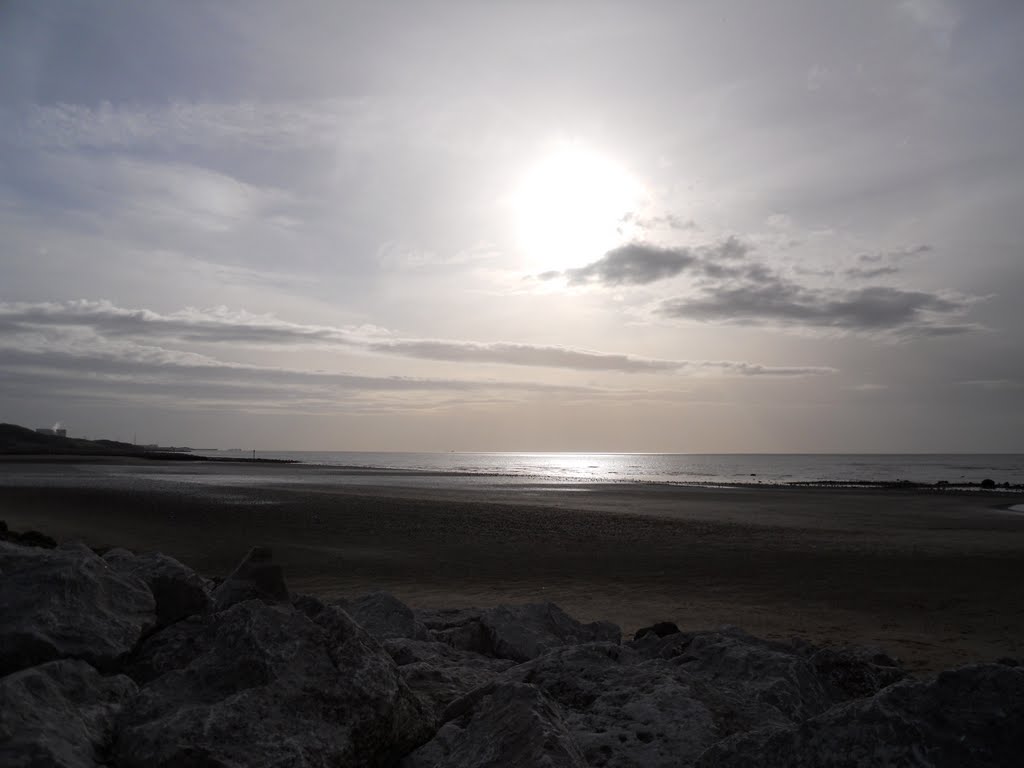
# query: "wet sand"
{"type": "Point", "coordinates": [931, 577]}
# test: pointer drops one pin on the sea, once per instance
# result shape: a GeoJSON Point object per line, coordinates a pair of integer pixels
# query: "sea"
{"type": "Point", "coordinates": [678, 468]}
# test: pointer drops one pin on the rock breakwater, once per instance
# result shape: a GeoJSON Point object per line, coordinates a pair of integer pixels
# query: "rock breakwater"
{"type": "Point", "coordinates": [129, 660]}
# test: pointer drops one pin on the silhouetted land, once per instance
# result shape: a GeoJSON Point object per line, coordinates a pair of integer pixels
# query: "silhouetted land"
{"type": "Point", "coordinates": [21, 441]}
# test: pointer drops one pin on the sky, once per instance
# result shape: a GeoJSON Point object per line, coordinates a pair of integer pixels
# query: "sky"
{"type": "Point", "coordinates": [729, 226]}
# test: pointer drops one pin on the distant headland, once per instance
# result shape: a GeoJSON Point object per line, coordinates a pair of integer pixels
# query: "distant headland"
{"type": "Point", "coordinates": [16, 440]}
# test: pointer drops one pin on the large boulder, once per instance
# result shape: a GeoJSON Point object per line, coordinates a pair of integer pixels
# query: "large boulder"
{"type": "Point", "coordinates": [852, 673]}
{"type": "Point", "coordinates": [384, 616]}
{"type": "Point", "coordinates": [966, 718]}
{"type": "Point", "coordinates": [68, 603]}
{"type": "Point", "coordinates": [662, 701]}
{"type": "Point", "coordinates": [505, 725]}
{"type": "Point", "coordinates": [440, 674]}
{"type": "Point", "coordinates": [178, 590]}
{"type": "Point", "coordinates": [775, 674]}
{"type": "Point", "coordinates": [257, 577]}
{"type": "Point", "coordinates": [625, 710]}
{"type": "Point", "coordinates": [262, 684]}
{"type": "Point", "coordinates": [171, 648]}
{"type": "Point", "coordinates": [59, 715]}
{"type": "Point", "coordinates": [517, 632]}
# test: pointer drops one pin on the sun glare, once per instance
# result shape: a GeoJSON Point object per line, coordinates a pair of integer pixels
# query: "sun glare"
{"type": "Point", "coordinates": [570, 208]}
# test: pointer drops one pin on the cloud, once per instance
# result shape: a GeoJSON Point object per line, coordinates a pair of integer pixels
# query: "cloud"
{"type": "Point", "coordinates": [74, 365]}
{"type": "Point", "coordinates": [640, 263]}
{"type": "Point", "coordinates": [782, 302]}
{"type": "Point", "coordinates": [862, 273]}
{"type": "Point", "coordinates": [271, 126]}
{"type": "Point", "coordinates": [732, 288]}
{"type": "Point", "coordinates": [994, 384]}
{"type": "Point", "coordinates": [633, 264]}
{"type": "Point", "coordinates": [884, 263]}
{"type": "Point", "coordinates": [563, 357]}
{"type": "Point", "coordinates": [895, 255]}
{"type": "Point", "coordinates": [217, 326]}
{"type": "Point", "coordinates": [159, 194]}
{"type": "Point", "coordinates": [522, 354]}
{"type": "Point", "coordinates": [223, 326]}
{"type": "Point", "coordinates": [668, 220]}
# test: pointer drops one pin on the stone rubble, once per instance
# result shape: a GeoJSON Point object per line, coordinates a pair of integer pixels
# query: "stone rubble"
{"type": "Point", "coordinates": [132, 660]}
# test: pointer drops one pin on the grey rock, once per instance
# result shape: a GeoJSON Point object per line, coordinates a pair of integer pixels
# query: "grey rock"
{"type": "Point", "coordinates": [625, 710]}
{"type": "Point", "coordinates": [440, 674]}
{"type": "Point", "coordinates": [967, 718]}
{"type": "Point", "coordinates": [851, 673]}
{"type": "Point", "coordinates": [270, 685]}
{"type": "Point", "coordinates": [517, 632]}
{"type": "Point", "coordinates": [523, 632]}
{"type": "Point", "coordinates": [501, 726]}
{"type": "Point", "coordinates": [59, 715]}
{"type": "Point", "coordinates": [384, 616]}
{"type": "Point", "coordinates": [771, 673]}
{"type": "Point", "coordinates": [662, 702]}
{"type": "Point", "coordinates": [178, 590]}
{"type": "Point", "coordinates": [256, 577]}
{"type": "Point", "coordinates": [461, 628]}
{"type": "Point", "coordinates": [170, 648]}
{"type": "Point", "coordinates": [68, 603]}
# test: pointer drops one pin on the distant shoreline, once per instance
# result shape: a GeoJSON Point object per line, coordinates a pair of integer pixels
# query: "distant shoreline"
{"type": "Point", "coordinates": [942, 487]}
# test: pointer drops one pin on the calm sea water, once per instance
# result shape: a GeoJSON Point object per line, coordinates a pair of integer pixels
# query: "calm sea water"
{"type": "Point", "coordinates": [680, 468]}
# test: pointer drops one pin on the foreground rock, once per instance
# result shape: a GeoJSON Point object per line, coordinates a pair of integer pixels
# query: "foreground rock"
{"type": "Point", "coordinates": [179, 591]}
{"type": "Point", "coordinates": [384, 616]}
{"type": "Point", "coordinates": [266, 685]}
{"type": "Point", "coordinates": [658, 701]}
{"type": "Point", "coordinates": [516, 632]}
{"type": "Point", "coordinates": [59, 714]}
{"type": "Point", "coordinates": [131, 661]}
{"type": "Point", "coordinates": [966, 718]}
{"type": "Point", "coordinates": [67, 603]}
{"type": "Point", "coordinates": [504, 724]}
{"type": "Point", "coordinates": [257, 577]}
{"type": "Point", "coordinates": [440, 674]}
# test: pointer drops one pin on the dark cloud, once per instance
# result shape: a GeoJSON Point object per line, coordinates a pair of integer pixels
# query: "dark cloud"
{"type": "Point", "coordinates": [862, 273]}
{"type": "Point", "coordinates": [633, 264]}
{"type": "Point", "coordinates": [779, 301]}
{"type": "Point", "coordinates": [733, 288]}
{"type": "Point", "coordinates": [641, 263]}
{"type": "Point", "coordinates": [896, 255]}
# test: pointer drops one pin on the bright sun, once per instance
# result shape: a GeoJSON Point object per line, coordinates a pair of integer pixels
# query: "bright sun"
{"type": "Point", "coordinates": [570, 208]}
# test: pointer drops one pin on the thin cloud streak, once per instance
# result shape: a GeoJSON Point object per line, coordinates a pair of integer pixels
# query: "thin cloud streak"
{"type": "Point", "coordinates": [274, 126]}
{"type": "Point", "coordinates": [222, 326]}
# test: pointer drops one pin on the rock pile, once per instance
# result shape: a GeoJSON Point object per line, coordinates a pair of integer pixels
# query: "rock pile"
{"type": "Point", "coordinates": [134, 660]}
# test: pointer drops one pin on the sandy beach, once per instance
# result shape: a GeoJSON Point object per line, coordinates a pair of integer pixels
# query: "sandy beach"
{"type": "Point", "coordinates": [932, 577]}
